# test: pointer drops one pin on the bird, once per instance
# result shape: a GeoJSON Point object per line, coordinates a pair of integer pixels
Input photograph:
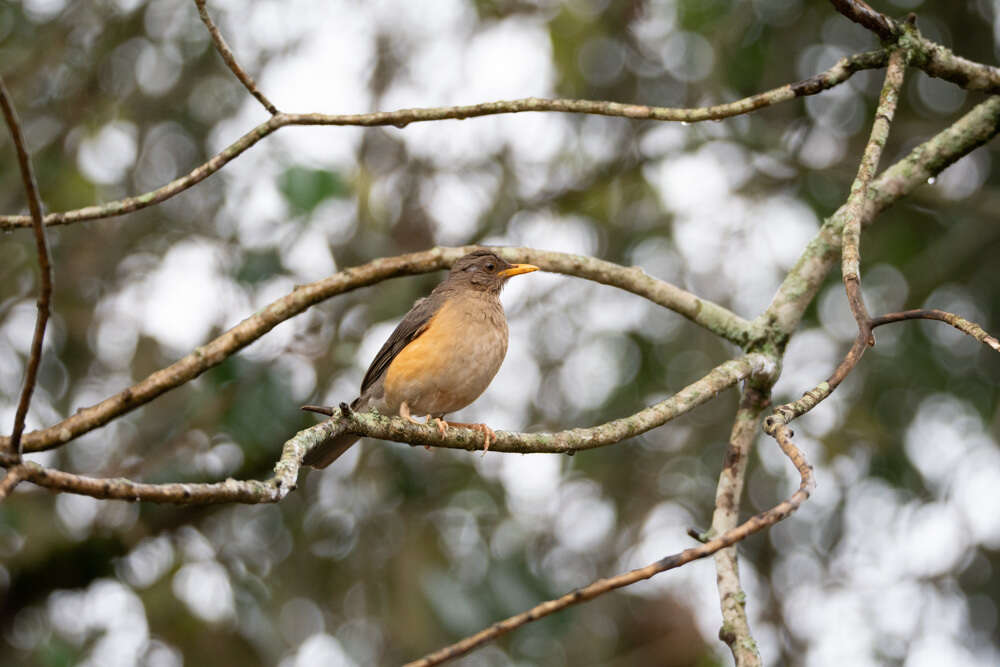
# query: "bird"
{"type": "Point", "coordinates": [441, 357]}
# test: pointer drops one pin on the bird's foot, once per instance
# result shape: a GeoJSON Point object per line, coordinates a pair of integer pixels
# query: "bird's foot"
{"type": "Point", "coordinates": [441, 424]}
{"type": "Point", "coordinates": [404, 412]}
{"type": "Point", "coordinates": [489, 437]}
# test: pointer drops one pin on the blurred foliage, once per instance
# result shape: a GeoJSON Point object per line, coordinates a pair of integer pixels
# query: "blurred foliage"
{"type": "Point", "coordinates": [395, 551]}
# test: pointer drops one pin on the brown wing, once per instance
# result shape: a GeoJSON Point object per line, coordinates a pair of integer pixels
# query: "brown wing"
{"type": "Point", "coordinates": [414, 324]}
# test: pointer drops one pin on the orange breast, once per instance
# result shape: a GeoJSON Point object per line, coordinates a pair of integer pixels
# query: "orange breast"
{"type": "Point", "coordinates": [448, 366]}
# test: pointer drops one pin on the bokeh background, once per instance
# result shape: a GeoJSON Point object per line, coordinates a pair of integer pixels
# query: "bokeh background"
{"type": "Point", "coordinates": [395, 551]}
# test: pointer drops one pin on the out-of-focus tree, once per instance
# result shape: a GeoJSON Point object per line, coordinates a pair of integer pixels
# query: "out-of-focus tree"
{"type": "Point", "coordinates": [395, 551]}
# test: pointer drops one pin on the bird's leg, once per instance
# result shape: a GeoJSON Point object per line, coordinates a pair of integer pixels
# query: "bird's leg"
{"type": "Point", "coordinates": [489, 437]}
{"type": "Point", "coordinates": [404, 412]}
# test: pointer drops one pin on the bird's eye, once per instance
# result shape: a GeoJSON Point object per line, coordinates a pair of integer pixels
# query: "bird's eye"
{"type": "Point", "coordinates": [491, 266]}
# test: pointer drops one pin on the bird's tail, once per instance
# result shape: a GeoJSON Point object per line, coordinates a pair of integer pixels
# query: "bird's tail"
{"type": "Point", "coordinates": [329, 451]}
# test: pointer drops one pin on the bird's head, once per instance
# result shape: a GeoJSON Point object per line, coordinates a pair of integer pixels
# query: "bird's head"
{"type": "Point", "coordinates": [484, 270]}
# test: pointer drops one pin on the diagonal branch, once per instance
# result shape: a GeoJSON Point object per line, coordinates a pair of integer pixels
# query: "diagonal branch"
{"type": "Point", "coordinates": [601, 586]}
{"type": "Point", "coordinates": [856, 205]}
{"type": "Point", "coordinates": [702, 312]}
{"type": "Point", "coordinates": [941, 62]}
{"type": "Point", "coordinates": [13, 445]}
{"type": "Point", "coordinates": [837, 74]}
{"type": "Point", "coordinates": [230, 59]}
{"type": "Point", "coordinates": [861, 12]}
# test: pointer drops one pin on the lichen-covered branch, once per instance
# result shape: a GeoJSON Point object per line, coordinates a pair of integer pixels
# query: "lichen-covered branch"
{"type": "Point", "coordinates": [284, 480]}
{"type": "Point", "coordinates": [939, 61]}
{"type": "Point", "coordinates": [723, 376]}
{"type": "Point", "coordinates": [856, 206]}
{"type": "Point", "coordinates": [837, 74]}
{"type": "Point", "coordinates": [933, 58]}
{"type": "Point", "coordinates": [713, 317]}
{"type": "Point", "coordinates": [601, 586]}
{"type": "Point", "coordinates": [230, 59]}
{"type": "Point", "coordinates": [13, 445]}
{"type": "Point", "coordinates": [928, 159]}
{"type": "Point", "coordinates": [735, 630]}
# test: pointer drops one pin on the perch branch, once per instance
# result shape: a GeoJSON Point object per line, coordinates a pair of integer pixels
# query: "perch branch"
{"type": "Point", "coordinates": [700, 311]}
{"type": "Point", "coordinates": [230, 59]}
{"type": "Point", "coordinates": [723, 376]}
{"type": "Point", "coordinates": [837, 74]}
{"type": "Point", "coordinates": [601, 586]}
{"type": "Point", "coordinates": [394, 428]}
{"type": "Point", "coordinates": [13, 445]}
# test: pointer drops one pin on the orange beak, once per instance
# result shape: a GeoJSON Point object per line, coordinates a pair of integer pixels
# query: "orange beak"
{"type": "Point", "coordinates": [517, 269]}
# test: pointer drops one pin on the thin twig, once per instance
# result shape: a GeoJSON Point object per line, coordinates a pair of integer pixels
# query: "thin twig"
{"type": "Point", "coordinates": [861, 12]}
{"type": "Point", "coordinates": [707, 314]}
{"type": "Point", "coordinates": [837, 74]}
{"type": "Point", "coordinates": [857, 202]}
{"type": "Point", "coordinates": [44, 270]}
{"type": "Point", "coordinates": [601, 586]}
{"type": "Point", "coordinates": [960, 323]}
{"type": "Point", "coordinates": [227, 55]}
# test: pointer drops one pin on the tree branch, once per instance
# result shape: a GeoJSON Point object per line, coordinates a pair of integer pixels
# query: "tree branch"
{"type": "Point", "coordinates": [702, 312]}
{"type": "Point", "coordinates": [284, 480]}
{"type": "Point", "coordinates": [601, 586]}
{"type": "Point", "coordinates": [723, 376]}
{"type": "Point", "coordinates": [861, 12]}
{"type": "Point", "coordinates": [735, 630]}
{"type": "Point", "coordinates": [230, 59]}
{"type": "Point", "coordinates": [941, 62]}
{"type": "Point", "coordinates": [13, 445]}
{"type": "Point", "coordinates": [837, 74]}
{"type": "Point", "coordinates": [928, 159]}
{"type": "Point", "coordinates": [394, 428]}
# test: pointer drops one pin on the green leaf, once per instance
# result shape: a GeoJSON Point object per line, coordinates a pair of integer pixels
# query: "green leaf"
{"type": "Point", "coordinates": [304, 188]}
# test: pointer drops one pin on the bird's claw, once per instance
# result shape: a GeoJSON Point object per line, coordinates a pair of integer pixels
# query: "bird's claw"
{"type": "Point", "coordinates": [489, 437]}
